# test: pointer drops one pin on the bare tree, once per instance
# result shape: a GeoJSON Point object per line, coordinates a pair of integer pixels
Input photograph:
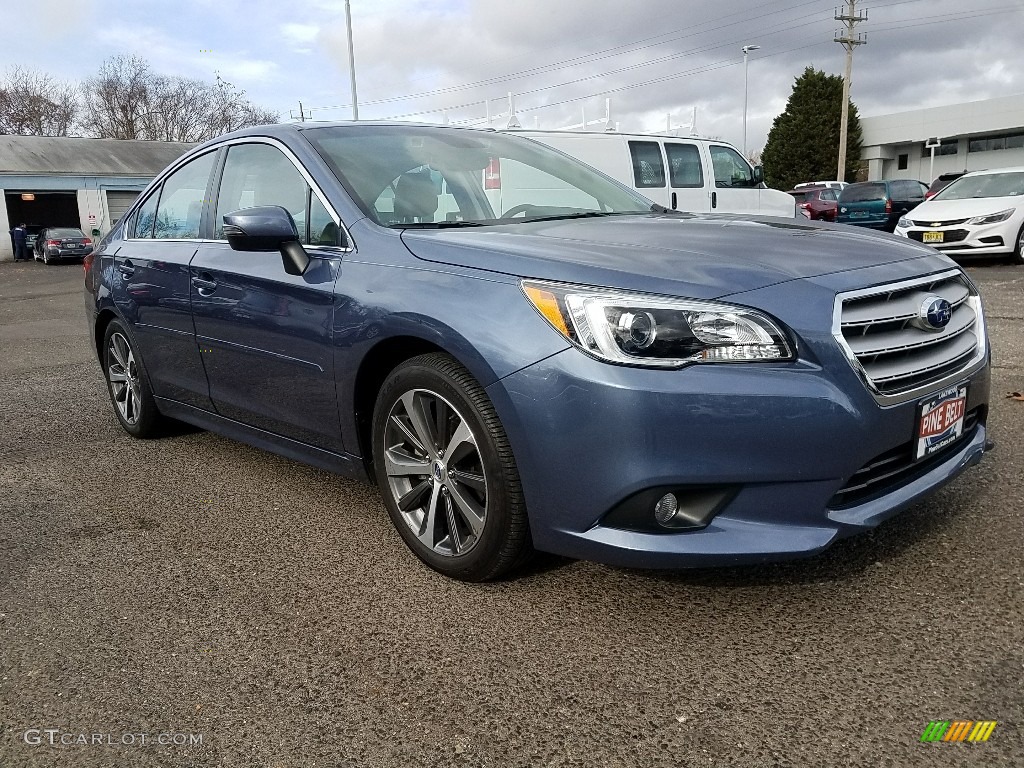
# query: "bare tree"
{"type": "Point", "coordinates": [35, 104]}
{"type": "Point", "coordinates": [116, 101]}
{"type": "Point", "coordinates": [127, 100]}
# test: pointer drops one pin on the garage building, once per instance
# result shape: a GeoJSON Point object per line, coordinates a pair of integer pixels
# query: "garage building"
{"type": "Point", "coordinates": [72, 182]}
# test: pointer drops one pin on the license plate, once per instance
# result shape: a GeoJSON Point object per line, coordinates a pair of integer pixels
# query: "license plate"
{"type": "Point", "coordinates": [858, 214]}
{"type": "Point", "coordinates": [940, 420]}
{"type": "Point", "coordinates": [932, 237]}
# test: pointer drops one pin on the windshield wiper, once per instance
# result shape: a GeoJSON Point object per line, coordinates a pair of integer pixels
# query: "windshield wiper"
{"type": "Point", "coordinates": [659, 208]}
{"type": "Point", "coordinates": [580, 215]}
{"type": "Point", "coordinates": [436, 225]}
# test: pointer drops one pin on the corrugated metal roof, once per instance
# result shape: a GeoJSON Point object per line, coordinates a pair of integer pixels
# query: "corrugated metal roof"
{"type": "Point", "coordinates": [45, 155]}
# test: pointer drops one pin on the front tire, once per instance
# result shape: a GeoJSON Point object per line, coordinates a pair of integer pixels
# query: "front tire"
{"type": "Point", "coordinates": [128, 385]}
{"type": "Point", "coordinates": [446, 471]}
{"type": "Point", "coordinates": [1017, 257]}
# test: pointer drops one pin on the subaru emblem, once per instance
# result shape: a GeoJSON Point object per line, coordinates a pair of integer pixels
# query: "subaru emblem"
{"type": "Point", "coordinates": [934, 314]}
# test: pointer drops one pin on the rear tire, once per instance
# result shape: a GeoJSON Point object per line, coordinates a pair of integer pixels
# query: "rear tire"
{"type": "Point", "coordinates": [128, 384]}
{"type": "Point", "coordinates": [446, 471]}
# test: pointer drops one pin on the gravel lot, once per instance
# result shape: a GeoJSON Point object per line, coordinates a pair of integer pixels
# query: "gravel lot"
{"type": "Point", "coordinates": [195, 586]}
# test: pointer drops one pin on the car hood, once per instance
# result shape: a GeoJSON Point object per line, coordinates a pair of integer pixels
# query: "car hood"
{"type": "Point", "coordinates": [944, 210]}
{"type": "Point", "coordinates": [680, 254]}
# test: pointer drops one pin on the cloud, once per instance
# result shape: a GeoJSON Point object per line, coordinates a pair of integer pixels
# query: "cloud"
{"type": "Point", "coordinates": [300, 37]}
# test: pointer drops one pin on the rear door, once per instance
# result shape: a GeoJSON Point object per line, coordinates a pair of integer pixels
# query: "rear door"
{"type": "Point", "coordinates": [150, 281]}
{"type": "Point", "coordinates": [686, 177]}
{"type": "Point", "coordinates": [735, 189]}
{"type": "Point", "coordinates": [266, 335]}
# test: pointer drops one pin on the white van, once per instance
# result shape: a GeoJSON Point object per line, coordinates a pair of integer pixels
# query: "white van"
{"type": "Point", "coordinates": [704, 175]}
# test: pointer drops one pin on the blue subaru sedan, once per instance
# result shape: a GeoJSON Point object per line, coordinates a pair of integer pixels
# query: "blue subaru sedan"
{"type": "Point", "coordinates": [525, 355]}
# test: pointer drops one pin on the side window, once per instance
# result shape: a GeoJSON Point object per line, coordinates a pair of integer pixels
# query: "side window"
{"type": "Point", "coordinates": [256, 175]}
{"type": "Point", "coordinates": [684, 165]}
{"type": "Point", "coordinates": [146, 217]}
{"type": "Point", "coordinates": [731, 170]}
{"type": "Point", "coordinates": [648, 170]}
{"type": "Point", "coordinates": [180, 209]}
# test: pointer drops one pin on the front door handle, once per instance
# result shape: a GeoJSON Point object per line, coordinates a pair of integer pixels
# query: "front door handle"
{"type": "Point", "coordinates": [205, 286]}
{"type": "Point", "coordinates": [674, 207]}
{"type": "Point", "coordinates": [127, 268]}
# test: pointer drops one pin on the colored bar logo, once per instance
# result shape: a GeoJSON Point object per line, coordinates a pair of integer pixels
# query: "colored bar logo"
{"type": "Point", "coordinates": [958, 730]}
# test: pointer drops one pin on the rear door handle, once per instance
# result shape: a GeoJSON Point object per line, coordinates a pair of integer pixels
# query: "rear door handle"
{"type": "Point", "coordinates": [714, 199]}
{"type": "Point", "coordinates": [674, 201]}
{"type": "Point", "coordinates": [127, 268]}
{"type": "Point", "coordinates": [204, 285]}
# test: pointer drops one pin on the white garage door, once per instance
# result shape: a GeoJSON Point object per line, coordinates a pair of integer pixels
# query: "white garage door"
{"type": "Point", "coordinates": [118, 203]}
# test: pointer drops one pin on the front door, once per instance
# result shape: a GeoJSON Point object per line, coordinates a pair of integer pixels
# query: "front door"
{"type": "Point", "coordinates": [265, 336]}
{"type": "Point", "coordinates": [735, 190]}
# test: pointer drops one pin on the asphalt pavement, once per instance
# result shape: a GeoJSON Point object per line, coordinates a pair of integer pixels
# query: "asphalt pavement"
{"type": "Point", "coordinates": [247, 610]}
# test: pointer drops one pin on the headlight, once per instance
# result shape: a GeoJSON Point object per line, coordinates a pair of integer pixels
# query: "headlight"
{"type": "Point", "coordinates": [993, 218]}
{"type": "Point", "coordinates": [904, 223]}
{"type": "Point", "coordinates": [654, 331]}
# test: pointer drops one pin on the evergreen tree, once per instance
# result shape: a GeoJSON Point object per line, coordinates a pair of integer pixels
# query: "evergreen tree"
{"type": "Point", "coordinates": [803, 144]}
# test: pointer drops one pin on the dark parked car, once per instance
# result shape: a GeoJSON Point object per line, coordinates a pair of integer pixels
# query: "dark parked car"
{"type": "Point", "coordinates": [879, 204]}
{"type": "Point", "coordinates": [817, 203]}
{"type": "Point", "coordinates": [60, 243]}
{"type": "Point", "coordinates": [548, 363]}
{"type": "Point", "coordinates": [941, 182]}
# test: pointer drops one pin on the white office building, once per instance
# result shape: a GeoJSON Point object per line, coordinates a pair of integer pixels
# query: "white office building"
{"type": "Point", "coordinates": [972, 136]}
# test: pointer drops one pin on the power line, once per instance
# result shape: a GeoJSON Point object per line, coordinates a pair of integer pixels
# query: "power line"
{"type": "Point", "coordinates": [607, 53]}
{"type": "Point", "coordinates": [695, 71]}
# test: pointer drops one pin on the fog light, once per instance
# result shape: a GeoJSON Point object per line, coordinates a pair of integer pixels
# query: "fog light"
{"type": "Point", "coordinates": [666, 508]}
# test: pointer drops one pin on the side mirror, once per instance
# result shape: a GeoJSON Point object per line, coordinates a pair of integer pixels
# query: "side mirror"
{"type": "Point", "coordinates": [758, 174]}
{"type": "Point", "coordinates": [267, 228]}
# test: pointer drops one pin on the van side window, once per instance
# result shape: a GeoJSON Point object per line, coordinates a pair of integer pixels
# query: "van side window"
{"type": "Point", "coordinates": [731, 170]}
{"type": "Point", "coordinates": [684, 165]}
{"type": "Point", "coordinates": [648, 170]}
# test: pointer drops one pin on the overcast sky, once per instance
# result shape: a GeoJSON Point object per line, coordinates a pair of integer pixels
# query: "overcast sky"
{"type": "Point", "coordinates": [652, 58]}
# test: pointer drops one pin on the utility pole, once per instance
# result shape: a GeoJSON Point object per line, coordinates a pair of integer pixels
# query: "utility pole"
{"type": "Point", "coordinates": [351, 60]}
{"type": "Point", "coordinates": [851, 19]}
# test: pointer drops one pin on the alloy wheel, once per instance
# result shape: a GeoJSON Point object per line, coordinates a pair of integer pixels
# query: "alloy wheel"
{"type": "Point", "coordinates": [435, 472]}
{"type": "Point", "coordinates": [123, 375]}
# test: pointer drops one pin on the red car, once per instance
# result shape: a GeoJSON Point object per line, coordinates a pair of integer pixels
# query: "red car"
{"type": "Point", "coordinates": [816, 203]}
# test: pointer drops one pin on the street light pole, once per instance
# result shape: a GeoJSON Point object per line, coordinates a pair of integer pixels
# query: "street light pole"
{"type": "Point", "coordinates": [351, 60]}
{"type": "Point", "coordinates": [746, 50]}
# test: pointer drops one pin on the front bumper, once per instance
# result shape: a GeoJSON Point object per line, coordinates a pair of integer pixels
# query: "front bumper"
{"type": "Point", "coordinates": [787, 436]}
{"type": "Point", "coordinates": [972, 239]}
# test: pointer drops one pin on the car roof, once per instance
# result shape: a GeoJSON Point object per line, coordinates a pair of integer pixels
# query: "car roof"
{"type": "Point", "coordinates": [990, 171]}
{"type": "Point", "coordinates": [641, 136]}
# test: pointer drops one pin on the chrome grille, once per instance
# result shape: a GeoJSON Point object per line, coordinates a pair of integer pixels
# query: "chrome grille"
{"type": "Point", "coordinates": [876, 327]}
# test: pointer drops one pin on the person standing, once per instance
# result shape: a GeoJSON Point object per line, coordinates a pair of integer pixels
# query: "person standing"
{"type": "Point", "coordinates": [18, 235]}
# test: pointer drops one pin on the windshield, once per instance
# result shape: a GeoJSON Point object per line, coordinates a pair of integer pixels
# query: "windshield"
{"type": "Point", "coordinates": [64, 233]}
{"type": "Point", "coordinates": [985, 185]}
{"type": "Point", "coordinates": [415, 176]}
